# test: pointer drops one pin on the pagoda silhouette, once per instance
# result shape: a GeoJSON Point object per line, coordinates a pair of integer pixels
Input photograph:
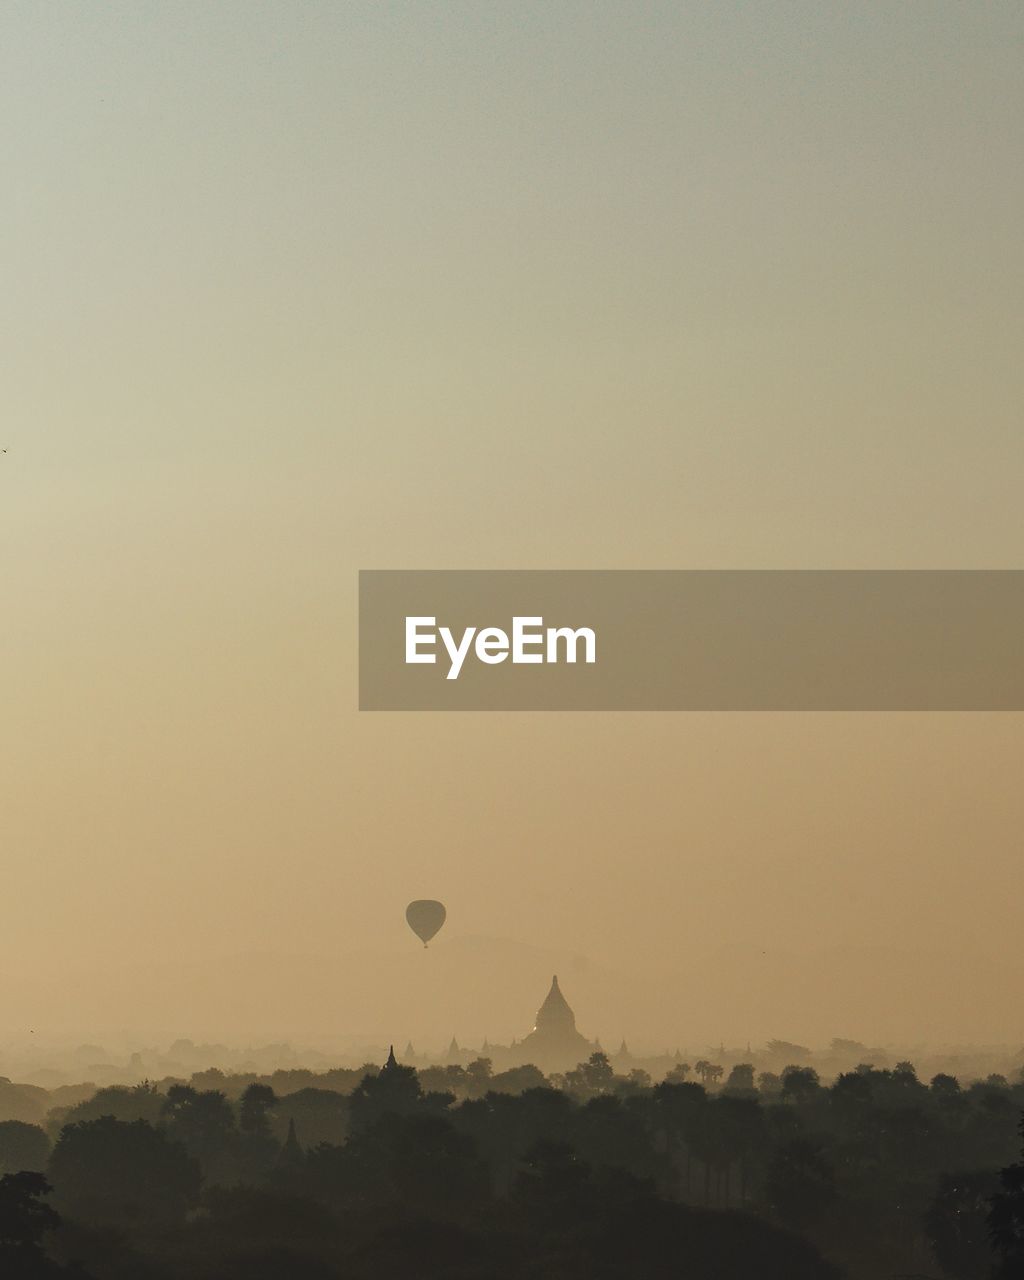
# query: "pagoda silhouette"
{"type": "Point", "coordinates": [554, 1044]}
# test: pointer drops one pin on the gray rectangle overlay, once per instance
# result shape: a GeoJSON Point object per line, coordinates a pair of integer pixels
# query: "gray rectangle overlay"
{"type": "Point", "coordinates": [696, 640]}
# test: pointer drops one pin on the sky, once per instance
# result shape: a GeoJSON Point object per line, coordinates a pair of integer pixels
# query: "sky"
{"type": "Point", "coordinates": [291, 290]}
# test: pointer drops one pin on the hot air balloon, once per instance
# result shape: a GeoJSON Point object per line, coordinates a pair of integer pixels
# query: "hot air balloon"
{"type": "Point", "coordinates": [425, 917]}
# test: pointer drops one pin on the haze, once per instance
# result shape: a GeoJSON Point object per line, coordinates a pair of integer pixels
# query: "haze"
{"type": "Point", "coordinates": [292, 290]}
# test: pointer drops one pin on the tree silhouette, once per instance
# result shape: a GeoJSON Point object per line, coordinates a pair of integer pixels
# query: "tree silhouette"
{"type": "Point", "coordinates": [24, 1222]}
{"type": "Point", "coordinates": [254, 1111]}
{"type": "Point", "coordinates": [24, 1217]}
{"type": "Point", "coordinates": [741, 1079]}
{"type": "Point", "coordinates": [200, 1119]}
{"type": "Point", "coordinates": [957, 1224]}
{"type": "Point", "coordinates": [788, 1052]}
{"type": "Point", "coordinates": [320, 1115]}
{"type": "Point", "coordinates": [22, 1146]}
{"type": "Point", "coordinates": [740, 1124]}
{"type": "Point", "coordinates": [110, 1171]}
{"type": "Point", "coordinates": [677, 1108]}
{"type": "Point", "coordinates": [1006, 1220]}
{"type": "Point", "coordinates": [769, 1085]}
{"type": "Point", "coordinates": [945, 1087]}
{"type": "Point", "coordinates": [800, 1184]}
{"type": "Point", "coordinates": [132, 1102]}
{"type": "Point", "coordinates": [799, 1084]}
{"type": "Point", "coordinates": [552, 1180]}
{"type": "Point", "coordinates": [479, 1074]}
{"type": "Point", "coordinates": [204, 1123]}
{"type": "Point", "coordinates": [591, 1077]}
{"type": "Point", "coordinates": [519, 1079]}
{"type": "Point", "coordinates": [340, 1173]}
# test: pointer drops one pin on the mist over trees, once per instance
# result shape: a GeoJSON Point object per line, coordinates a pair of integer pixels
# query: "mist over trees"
{"type": "Point", "coordinates": [456, 1170]}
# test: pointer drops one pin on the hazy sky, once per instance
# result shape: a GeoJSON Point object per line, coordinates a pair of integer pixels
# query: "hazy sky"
{"type": "Point", "coordinates": [294, 289]}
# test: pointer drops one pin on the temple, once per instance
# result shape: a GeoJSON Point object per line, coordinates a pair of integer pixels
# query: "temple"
{"type": "Point", "coordinates": [554, 1044]}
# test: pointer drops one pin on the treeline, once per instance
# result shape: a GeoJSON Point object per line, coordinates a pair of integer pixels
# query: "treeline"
{"type": "Point", "coordinates": [456, 1172]}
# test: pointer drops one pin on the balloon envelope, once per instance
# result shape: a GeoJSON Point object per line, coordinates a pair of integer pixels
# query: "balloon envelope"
{"type": "Point", "coordinates": [425, 917]}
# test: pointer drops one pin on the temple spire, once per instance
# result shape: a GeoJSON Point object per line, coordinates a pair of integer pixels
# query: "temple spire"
{"type": "Point", "coordinates": [291, 1155]}
{"type": "Point", "coordinates": [555, 1013]}
{"type": "Point", "coordinates": [554, 1044]}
